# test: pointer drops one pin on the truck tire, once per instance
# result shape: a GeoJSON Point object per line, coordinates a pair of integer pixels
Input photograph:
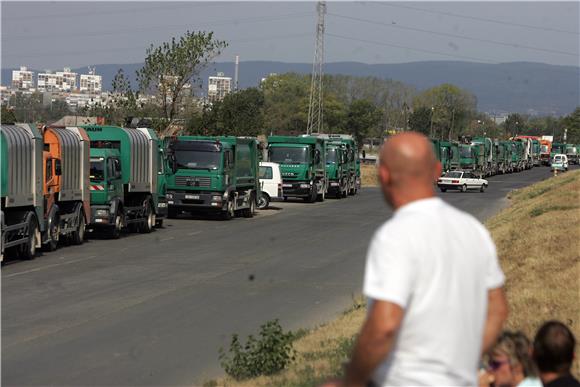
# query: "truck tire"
{"type": "Point", "coordinates": [249, 212]}
{"type": "Point", "coordinates": [263, 201]}
{"type": "Point", "coordinates": [149, 223]}
{"type": "Point", "coordinates": [78, 235]}
{"type": "Point", "coordinates": [313, 195]}
{"type": "Point", "coordinates": [320, 197]}
{"type": "Point", "coordinates": [115, 232]}
{"type": "Point", "coordinates": [28, 250]}
{"type": "Point", "coordinates": [229, 213]}
{"type": "Point", "coordinates": [53, 233]}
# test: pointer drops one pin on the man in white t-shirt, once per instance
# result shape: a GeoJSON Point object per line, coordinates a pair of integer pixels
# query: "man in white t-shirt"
{"type": "Point", "coordinates": [432, 279]}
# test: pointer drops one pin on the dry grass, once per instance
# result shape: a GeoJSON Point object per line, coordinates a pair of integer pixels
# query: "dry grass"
{"type": "Point", "coordinates": [538, 241]}
{"type": "Point", "coordinates": [368, 175]}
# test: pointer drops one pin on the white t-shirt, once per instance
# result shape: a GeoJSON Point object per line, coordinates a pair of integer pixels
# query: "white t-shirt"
{"type": "Point", "coordinates": [438, 264]}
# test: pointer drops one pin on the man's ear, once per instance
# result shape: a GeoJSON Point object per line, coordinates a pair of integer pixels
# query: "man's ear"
{"type": "Point", "coordinates": [384, 175]}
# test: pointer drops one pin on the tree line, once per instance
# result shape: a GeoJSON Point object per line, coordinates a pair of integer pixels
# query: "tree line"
{"type": "Point", "coordinates": [361, 106]}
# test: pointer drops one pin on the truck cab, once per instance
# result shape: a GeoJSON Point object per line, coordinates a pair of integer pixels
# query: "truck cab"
{"type": "Point", "coordinates": [106, 186]}
{"type": "Point", "coordinates": [213, 174]}
{"type": "Point", "coordinates": [466, 157]}
{"type": "Point", "coordinates": [302, 161]}
{"type": "Point", "coordinates": [337, 170]}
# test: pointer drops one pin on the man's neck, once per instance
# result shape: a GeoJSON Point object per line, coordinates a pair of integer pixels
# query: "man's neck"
{"type": "Point", "coordinates": [548, 377]}
{"type": "Point", "coordinates": [402, 200]}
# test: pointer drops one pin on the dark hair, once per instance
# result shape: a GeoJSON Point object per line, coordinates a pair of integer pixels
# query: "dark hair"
{"type": "Point", "coordinates": [554, 347]}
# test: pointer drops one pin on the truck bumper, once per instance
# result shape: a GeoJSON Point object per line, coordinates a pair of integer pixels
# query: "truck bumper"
{"type": "Point", "coordinates": [162, 208]}
{"type": "Point", "coordinates": [333, 187]}
{"type": "Point", "coordinates": [101, 216]}
{"type": "Point", "coordinates": [195, 200]}
{"type": "Point", "coordinates": [299, 189]}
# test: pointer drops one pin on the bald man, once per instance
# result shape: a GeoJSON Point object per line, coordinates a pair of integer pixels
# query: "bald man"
{"type": "Point", "coordinates": [432, 279]}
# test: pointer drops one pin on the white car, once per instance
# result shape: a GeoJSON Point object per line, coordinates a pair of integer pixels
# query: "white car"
{"type": "Point", "coordinates": [462, 181]}
{"type": "Point", "coordinates": [270, 183]}
{"type": "Point", "coordinates": [559, 162]}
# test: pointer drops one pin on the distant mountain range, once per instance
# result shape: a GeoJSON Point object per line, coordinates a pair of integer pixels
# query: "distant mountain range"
{"type": "Point", "coordinates": [522, 87]}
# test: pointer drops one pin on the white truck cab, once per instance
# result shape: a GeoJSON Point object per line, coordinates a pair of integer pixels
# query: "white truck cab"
{"type": "Point", "coordinates": [270, 183]}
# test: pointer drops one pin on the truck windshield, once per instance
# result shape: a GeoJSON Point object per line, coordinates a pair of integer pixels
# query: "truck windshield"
{"type": "Point", "coordinates": [196, 159]}
{"type": "Point", "coordinates": [289, 155]}
{"type": "Point", "coordinates": [544, 149]}
{"type": "Point", "coordinates": [331, 156]}
{"type": "Point", "coordinates": [465, 151]}
{"type": "Point", "coordinates": [97, 169]}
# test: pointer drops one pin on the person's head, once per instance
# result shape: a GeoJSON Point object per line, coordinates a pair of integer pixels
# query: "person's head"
{"type": "Point", "coordinates": [554, 348]}
{"type": "Point", "coordinates": [509, 360]}
{"type": "Point", "coordinates": [408, 168]}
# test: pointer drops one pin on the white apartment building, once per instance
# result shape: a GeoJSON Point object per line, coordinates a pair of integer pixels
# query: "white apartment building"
{"type": "Point", "coordinates": [64, 80]}
{"type": "Point", "coordinates": [218, 87]}
{"type": "Point", "coordinates": [76, 100]}
{"type": "Point", "coordinates": [22, 79]}
{"type": "Point", "coordinates": [91, 83]}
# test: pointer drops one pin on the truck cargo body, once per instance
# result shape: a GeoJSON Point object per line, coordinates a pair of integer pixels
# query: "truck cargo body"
{"type": "Point", "coordinates": [302, 161]}
{"type": "Point", "coordinates": [213, 174]}
{"type": "Point", "coordinates": [21, 189]}
{"type": "Point", "coordinates": [123, 178]}
{"type": "Point", "coordinates": [66, 184]}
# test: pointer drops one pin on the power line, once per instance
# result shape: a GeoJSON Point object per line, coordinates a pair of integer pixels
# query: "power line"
{"type": "Point", "coordinates": [259, 19]}
{"type": "Point", "coordinates": [479, 18]}
{"type": "Point", "coordinates": [431, 32]}
{"type": "Point", "coordinates": [411, 48]}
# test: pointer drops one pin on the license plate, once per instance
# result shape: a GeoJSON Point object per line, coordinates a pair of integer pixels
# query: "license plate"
{"type": "Point", "coordinates": [194, 197]}
{"type": "Point", "coordinates": [287, 185]}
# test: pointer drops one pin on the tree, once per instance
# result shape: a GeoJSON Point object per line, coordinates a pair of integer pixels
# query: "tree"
{"type": "Point", "coordinates": [286, 99]}
{"type": "Point", "coordinates": [572, 123]}
{"type": "Point", "coordinates": [173, 65]}
{"type": "Point", "coordinates": [241, 113]}
{"type": "Point", "coordinates": [7, 115]}
{"type": "Point", "coordinates": [363, 116]}
{"type": "Point", "coordinates": [514, 124]}
{"type": "Point", "coordinates": [420, 120]}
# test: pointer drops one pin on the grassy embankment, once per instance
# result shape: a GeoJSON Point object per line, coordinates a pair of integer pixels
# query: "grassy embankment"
{"type": "Point", "coordinates": [368, 175]}
{"type": "Point", "coordinates": [538, 242]}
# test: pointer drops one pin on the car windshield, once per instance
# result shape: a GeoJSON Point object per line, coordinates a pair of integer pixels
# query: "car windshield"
{"type": "Point", "coordinates": [465, 151]}
{"type": "Point", "coordinates": [289, 155]}
{"type": "Point", "coordinates": [197, 159]}
{"type": "Point", "coordinates": [97, 170]}
{"type": "Point", "coordinates": [454, 175]}
{"type": "Point", "coordinates": [331, 155]}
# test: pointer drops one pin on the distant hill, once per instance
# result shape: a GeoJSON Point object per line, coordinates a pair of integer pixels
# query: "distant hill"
{"type": "Point", "coordinates": [511, 87]}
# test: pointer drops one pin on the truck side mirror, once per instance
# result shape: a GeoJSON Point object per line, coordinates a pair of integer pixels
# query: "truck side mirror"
{"type": "Point", "coordinates": [316, 156]}
{"type": "Point", "coordinates": [57, 167]}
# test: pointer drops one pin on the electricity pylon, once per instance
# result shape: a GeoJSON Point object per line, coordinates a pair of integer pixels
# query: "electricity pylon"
{"type": "Point", "coordinates": [315, 109]}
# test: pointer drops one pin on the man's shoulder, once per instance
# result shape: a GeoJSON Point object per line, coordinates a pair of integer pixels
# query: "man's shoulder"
{"type": "Point", "coordinates": [564, 381]}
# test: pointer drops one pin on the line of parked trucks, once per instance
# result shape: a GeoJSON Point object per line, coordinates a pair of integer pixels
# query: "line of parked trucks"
{"type": "Point", "coordinates": [485, 156]}
{"type": "Point", "coordinates": [57, 183]}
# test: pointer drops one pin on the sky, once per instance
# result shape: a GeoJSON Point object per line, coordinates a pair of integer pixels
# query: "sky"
{"type": "Point", "coordinates": [53, 35]}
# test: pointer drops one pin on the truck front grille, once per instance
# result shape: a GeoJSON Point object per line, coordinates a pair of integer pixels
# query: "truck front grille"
{"type": "Point", "coordinates": [190, 181]}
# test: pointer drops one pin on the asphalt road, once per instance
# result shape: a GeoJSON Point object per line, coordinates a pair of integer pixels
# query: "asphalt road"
{"type": "Point", "coordinates": [154, 309]}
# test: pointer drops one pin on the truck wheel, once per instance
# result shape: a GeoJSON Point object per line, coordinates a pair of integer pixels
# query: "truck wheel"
{"type": "Point", "coordinates": [116, 230]}
{"type": "Point", "coordinates": [149, 222]}
{"type": "Point", "coordinates": [53, 233]}
{"type": "Point", "coordinates": [313, 195]}
{"type": "Point", "coordinates": [28, 250]}
{"type": "Point", "coordinates": [443, 189]}
{"type": "Point", "coordinates": [229, 213]}
{"type": "Point", "coordinates": [78, 236]}
{"type": "Point", "coordinates": [463, 188]}
{"type": "Point", "coordinates": [263, 201]}
{"type": "Point", "coordinates": [249, 212]}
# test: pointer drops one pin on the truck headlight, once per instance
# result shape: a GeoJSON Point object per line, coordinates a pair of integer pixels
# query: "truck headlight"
{"type": "Point", "coordinates": [169, 196]}
{"type": "Point", "coordinates": [216, 198]}
{"type": "Point", "coordinates": [304, 185]}
{"type": "Point", "coordinates": [102, 212]}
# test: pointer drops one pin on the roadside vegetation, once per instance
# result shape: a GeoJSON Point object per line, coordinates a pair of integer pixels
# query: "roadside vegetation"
{"type": "Point", "coordinates": [368, 175]}
{"type": "Point", "coordinates": [538, 245]}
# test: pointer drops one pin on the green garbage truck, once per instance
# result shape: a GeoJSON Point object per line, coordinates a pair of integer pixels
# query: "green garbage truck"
{"type": "Point", "coordinates": [213, 174]}
{"type": "Point", "coordinates": [504, 157]}
{"type": "Point", "coordinates": [447, 152]}
{"type": "Point", "coordinates": [486, 150]}
{"type": "Point", "coordinates": [21, 189]}
{"type": "Point", "coordinates": [302, 162]}
{"type": "Point", "coordinates": [337, 169]}
{"type": "Point", "coordinates": [123, 179]}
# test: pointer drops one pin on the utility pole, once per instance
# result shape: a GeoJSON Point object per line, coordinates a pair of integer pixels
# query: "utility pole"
{"type": "Point", "coordinates": [431, 129]}
{"type": "Point", "coordinates": [315, 108]}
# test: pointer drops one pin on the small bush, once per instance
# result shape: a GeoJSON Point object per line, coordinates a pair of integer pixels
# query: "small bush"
{"type": "Point", "coordinates": [266, 355]}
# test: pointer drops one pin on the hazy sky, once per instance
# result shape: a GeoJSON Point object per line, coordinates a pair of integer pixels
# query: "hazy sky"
{"type": "Point", "coordinates": [51, 35]}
